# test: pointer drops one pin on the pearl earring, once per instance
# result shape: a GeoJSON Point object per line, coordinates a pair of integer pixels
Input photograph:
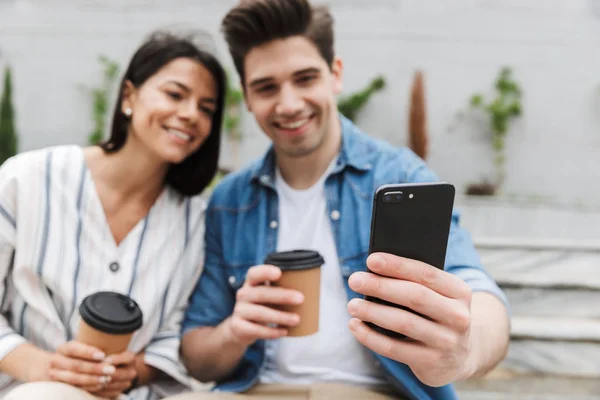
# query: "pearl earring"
{"type": "Point", "coordinates": [128, 112]}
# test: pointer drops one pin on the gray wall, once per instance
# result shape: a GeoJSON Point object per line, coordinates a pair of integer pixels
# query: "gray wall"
{"type": "Point", "coordinates": [552, 45]}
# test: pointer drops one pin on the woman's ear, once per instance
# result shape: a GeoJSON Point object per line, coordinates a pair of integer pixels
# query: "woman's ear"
{"type": "Point", "coordinates": [128, 97]}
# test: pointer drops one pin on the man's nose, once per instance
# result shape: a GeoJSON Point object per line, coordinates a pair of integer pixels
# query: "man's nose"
{"type": "Point", "coordinates": [289, 102]}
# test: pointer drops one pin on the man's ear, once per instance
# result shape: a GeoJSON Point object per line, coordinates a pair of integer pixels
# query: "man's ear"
{"type": "Point", "coordinates": [337, 70]}
{"type": "Point", "coordinates": [128, 93]}
{"type": "Point", "coordinates": [245, 96]}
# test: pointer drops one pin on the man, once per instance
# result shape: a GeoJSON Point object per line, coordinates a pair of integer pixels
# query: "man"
{"type": "Point", "coordinates": [313, 189]}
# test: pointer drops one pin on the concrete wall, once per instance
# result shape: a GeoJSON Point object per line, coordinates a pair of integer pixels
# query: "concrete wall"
{"type": "Point", "coordinates": [552, 46]}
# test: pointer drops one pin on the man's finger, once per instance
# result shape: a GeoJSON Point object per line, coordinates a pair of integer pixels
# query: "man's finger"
{"type": "Point", "coordinates": [266, 315]}
{"type": "Point", "coordinates": [415, 271]}
{"type": "Point", "coordinates": [80, 350]}
{"type": "Point", "coordinates": [260, 274]}
{"type": "Point", "coordinates": [406, 352]}
{"type": "Point", "coordinates": [250, 330]}
{"type": "Point", "coordinates": [269, 295]}
{"type": "Point", "coordinates": [418, 298]}
{"type": "Point", "coordinates": [402, 321]}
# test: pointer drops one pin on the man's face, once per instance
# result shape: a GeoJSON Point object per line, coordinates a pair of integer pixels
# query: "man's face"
{"type": "Point", "coordinates": [292, 91]}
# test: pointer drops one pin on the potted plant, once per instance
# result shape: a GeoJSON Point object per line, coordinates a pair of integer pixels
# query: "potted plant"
{"type": "Point", "coordinates": [500, 111]}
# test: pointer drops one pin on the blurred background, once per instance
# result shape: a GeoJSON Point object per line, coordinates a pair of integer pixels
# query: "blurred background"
{"type": "Point", "coordinates": [501, 97]}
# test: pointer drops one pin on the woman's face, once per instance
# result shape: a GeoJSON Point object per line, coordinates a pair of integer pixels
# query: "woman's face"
{"type": "Point", "coordinates": [172, 111]}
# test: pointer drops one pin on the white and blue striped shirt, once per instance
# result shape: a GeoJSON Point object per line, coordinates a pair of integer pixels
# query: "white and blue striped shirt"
{"type": "Point", "coordinates": [56, 248]}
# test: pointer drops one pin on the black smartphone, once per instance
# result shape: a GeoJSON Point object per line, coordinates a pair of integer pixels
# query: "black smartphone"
{"type": "Point", "coordinates": [411, 220]}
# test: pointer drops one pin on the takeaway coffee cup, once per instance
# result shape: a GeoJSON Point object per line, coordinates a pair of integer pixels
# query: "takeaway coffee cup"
{"type": "Point", "coordinates": [301, 270]}
{"type": "Point", "coordinates": [108, 321]}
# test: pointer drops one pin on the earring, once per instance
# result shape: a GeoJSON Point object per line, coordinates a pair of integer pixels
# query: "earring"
{"type": "Point", "coordinates": [128, 112]}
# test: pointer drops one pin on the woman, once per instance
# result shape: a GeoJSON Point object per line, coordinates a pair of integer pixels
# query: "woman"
{"type": "Point", "coordinates": [124, 216]}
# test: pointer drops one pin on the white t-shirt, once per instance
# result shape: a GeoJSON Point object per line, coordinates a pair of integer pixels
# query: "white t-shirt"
{"type": "Point", "coordinates": [332, 354]}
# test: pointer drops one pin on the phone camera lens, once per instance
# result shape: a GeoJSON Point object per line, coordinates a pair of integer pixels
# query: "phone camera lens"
{"type": "Point", "coordinates": [387, 198]}
{"type": "Point", "coordinates": [399, 197]}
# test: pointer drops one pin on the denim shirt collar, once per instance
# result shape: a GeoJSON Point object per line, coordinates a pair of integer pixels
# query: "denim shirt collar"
{"type": "Point", "coordinates": [350, 155]}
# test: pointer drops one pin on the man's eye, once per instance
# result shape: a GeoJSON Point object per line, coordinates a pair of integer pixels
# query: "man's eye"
{"type": "Point", "coordinates": [306, 79]}
{"type": "Point", "coordinates": [266, 88]}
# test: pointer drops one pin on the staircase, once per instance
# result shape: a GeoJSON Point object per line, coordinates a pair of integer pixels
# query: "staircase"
{"type": "Point", "coordinates": [553, 287]}
{"type": "Point", "coordinates": [546, 257]}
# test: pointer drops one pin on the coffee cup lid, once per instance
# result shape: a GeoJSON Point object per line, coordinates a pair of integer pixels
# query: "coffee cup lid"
{"type": "Point", "coordinates": [295, 259]}
{"type": "Point", "coordinates": [111, 312]}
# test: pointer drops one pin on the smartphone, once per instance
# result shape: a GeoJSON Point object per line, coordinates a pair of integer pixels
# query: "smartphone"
{"type": "Point", "coordinates": [411, 220]}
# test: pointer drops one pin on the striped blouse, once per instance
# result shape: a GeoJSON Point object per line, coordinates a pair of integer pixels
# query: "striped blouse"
{"type": "Point", "coordinates": [56, 248]}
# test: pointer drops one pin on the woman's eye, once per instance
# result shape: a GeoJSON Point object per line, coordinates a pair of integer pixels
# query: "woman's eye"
{"type": "Point", "coordinates": [208, 111]}
{"type": "Point", "coordinates": [174, 95]}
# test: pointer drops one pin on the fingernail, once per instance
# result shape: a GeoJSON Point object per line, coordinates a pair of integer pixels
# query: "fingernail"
{"type": "Point", "coordinates": [357, 281]}
{"type": "Point", "coordinates": [376, 261]}
{"type": "Point", "coordinates": [98, 355]}
{"type": "Point", "coordinates": [108, 369]}
{"type": "Point", "coordinates": [353, 324]}
{"type": "Point", "coordinates": [353, 307]}
{"type": "Point", "coordinates": [104, 379]}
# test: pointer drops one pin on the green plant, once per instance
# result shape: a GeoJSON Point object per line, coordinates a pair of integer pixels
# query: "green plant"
{"type": "Point", "coordinates": [503, 108]}
{"type": "Point", "coordinates": [8, 133]}
{"type": "Point", "coordinates": [350, 105]}
{"type": "Point", "coordinates": [101, 98]}
{"type": "Point", "coordinates": [233, 110]}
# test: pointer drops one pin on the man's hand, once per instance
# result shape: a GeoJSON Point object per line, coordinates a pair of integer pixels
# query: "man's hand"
{"type": "Point", "coordinates": [76, 364]}
{"type": "Point", "coordinates": [255, 315]}
{"type": "Point", "coordinates": [122, 378]}
{"type": "Point", "coordinates": [440, 350]}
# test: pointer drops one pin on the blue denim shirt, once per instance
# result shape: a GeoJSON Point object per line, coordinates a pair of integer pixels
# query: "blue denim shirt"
{"type": "Point", "coordinates": [241, 229]}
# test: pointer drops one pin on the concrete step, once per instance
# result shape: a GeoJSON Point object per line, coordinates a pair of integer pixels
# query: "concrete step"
{"type": "Point", "coordinates": [568, 347]}
{"type": "Point", "coordinates": [536, 302]}
{"type": "Point", "coordinates": [501, 385]}
{"type": "Point", "coordinates": [560, 358]}
{"type": "Point", "coordinates": [515, 267]}
{"type": "Point", "coordinates": [550, 329]}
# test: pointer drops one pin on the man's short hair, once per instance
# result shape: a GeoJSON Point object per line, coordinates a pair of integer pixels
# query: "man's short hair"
{"type": "Point", "coordinates": [254, 22]}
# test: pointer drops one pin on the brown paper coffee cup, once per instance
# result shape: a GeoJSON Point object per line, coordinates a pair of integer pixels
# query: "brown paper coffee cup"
{"type": "Point", "coordinates": [301, 271]}
{"type": "Point", "coordinates": [108, 321]}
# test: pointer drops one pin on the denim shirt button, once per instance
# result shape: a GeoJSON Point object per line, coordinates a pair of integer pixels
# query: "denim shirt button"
{"type": "Point", "coordinates": [335, 215]}
{"type": "Point", "coordinates": [273, 224]}
{"type": "Point", "coordinates": [264, 179]}
{"type": "Point", "coordinates": [231, 279]}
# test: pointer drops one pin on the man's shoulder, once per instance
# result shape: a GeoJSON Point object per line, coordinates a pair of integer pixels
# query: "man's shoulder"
{"type": "Point", "coordinates": [383, 156]}
{"type": "Point", "coordinates": [234, 187]}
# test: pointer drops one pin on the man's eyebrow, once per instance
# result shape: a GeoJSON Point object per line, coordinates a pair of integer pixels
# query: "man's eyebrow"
{"type": "Point", "coordinates": [267, 79]}
{"type": "Point", "coordinates": [310, 70]}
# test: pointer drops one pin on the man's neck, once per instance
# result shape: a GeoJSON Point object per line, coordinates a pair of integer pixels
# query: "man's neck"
{"type": "Point", "coordinates": [303, 172]}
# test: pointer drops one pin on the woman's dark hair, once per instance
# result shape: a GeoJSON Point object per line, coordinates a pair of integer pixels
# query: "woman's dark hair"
{"type": "Point", "coordinates": [195, 173]}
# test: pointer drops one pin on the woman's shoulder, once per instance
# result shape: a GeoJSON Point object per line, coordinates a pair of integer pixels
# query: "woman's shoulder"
{"type": "Point", "coordinates": [36, 161]}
